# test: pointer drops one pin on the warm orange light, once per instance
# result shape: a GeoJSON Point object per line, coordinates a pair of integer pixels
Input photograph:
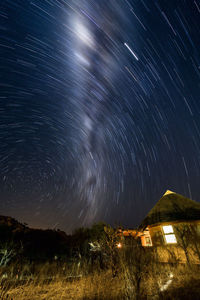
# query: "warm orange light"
{"type": "Point", "coordinates": [119, 245]}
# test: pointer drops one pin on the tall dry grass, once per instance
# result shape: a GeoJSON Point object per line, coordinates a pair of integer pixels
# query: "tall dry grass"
{"type": "Point", "coordinates": [137, 276]}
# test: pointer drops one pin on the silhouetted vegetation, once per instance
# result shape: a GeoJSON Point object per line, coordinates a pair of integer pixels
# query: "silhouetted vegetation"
{"type": "Point", "coordinates": [48, 264]}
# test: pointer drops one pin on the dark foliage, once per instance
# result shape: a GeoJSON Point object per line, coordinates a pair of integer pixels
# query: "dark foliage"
{"type": "Point", "coordinates": [45, 245]}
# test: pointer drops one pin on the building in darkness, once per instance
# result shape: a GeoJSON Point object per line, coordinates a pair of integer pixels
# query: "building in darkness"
{"type": "Point", "coordinates": [172, 227]}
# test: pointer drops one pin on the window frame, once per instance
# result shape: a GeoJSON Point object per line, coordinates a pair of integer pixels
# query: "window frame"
{"type": "Point", "coordinates": [169, 233]}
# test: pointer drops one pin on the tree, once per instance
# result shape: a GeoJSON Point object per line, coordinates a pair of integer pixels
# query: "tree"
{"type": "Point", "coordinates": [111, 240]}
{"type": "Point", "coordinates": [136, 263]}
{"type": "Point", "coordinates": [189, 240]}
{"type": "Point", "coordinates": [183, 234]}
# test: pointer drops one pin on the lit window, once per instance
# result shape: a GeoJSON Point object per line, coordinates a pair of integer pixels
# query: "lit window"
{"type": "Point", "coordinates": [168, 229]}
{"type": "Point", "coordinates": [170, 237]}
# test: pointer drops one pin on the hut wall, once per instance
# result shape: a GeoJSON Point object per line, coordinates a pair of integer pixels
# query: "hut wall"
{"type": "Point", "coordinates": [187, 248]}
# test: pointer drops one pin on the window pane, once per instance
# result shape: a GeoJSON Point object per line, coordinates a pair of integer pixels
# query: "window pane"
{"type": "Point", "coordinates": [168, 229]}
{"type": "Point", "coordinates": [170, 239]}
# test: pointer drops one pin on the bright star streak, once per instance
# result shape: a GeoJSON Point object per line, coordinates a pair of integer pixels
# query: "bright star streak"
{"type": "Point", "coordinates": [127, 46]}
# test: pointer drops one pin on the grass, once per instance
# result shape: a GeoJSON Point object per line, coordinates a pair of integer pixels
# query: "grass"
{"type": "Point", "coordinates": [99, 285]}
{"type": "Point", "coordinates": [82, 281]}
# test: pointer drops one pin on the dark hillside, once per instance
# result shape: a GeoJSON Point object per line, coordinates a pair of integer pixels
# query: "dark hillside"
{"type": "Point", "coordinates": [32, 244]}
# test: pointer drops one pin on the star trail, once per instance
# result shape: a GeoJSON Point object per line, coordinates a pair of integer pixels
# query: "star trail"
{"type": "Point", "coordinates": [99, 108]}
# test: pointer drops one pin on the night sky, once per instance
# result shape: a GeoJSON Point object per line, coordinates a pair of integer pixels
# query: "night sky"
{"type": "Point", "coordinates": [99, 108]}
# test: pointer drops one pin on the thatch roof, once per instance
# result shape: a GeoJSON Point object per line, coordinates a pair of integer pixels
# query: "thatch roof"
{"type": "Point", "coordinates": [172, 207]}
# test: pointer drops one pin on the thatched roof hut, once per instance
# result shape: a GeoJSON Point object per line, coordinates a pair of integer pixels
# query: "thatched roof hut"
{"type": "Point", "coordinates": [172, 207]}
